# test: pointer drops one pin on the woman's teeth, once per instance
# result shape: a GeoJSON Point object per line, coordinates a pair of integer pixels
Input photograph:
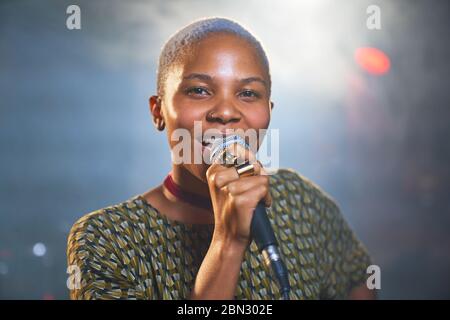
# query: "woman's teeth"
{"type": "Point", "coordinates": [208, 142]}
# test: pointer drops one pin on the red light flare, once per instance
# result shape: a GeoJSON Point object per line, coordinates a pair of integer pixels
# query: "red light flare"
{"type": "Point", "coordinates": [372, 60]}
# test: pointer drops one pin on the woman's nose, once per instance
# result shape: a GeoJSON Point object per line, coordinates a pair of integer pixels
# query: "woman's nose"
{"type": "Point", "coordinates": [224, 112]}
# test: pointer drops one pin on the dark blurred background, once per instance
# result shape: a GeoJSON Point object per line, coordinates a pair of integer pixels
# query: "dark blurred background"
{"type": "Point", "coordinates": [370, 127]}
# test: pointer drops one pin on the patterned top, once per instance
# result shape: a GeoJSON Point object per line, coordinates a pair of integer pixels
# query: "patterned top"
{"type": "Point", "coordinates": [131, 251]}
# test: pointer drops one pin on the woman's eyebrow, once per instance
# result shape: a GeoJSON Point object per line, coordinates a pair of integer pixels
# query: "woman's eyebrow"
{"type": "Point", "coordinates": [199, 76]}
{"type": "Point", "coordinates": [252, 79]}
{"type": "Point", "coordinates": [206, 77]}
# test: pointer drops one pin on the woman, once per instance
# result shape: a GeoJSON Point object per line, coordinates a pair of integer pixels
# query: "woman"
{"type": "Point", "coordinates": [190, 236]}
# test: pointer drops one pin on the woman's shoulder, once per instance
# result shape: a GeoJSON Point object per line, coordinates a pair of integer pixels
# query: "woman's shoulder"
{"type": "Point", "coordinates": [110, 249]}
{"type": "Point", "coordinates": [288, 182]}
{"type": "Point", "coordinates": [128, 217]}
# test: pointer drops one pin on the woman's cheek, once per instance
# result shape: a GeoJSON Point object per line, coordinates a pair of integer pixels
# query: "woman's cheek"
{"type": "Point", "coordinates": [188, 111]}
{"type": "Point", "coordinates": [258, 120]}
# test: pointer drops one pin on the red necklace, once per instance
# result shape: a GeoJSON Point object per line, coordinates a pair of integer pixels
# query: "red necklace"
{"type": "Point", "coordinates": [186, 196]}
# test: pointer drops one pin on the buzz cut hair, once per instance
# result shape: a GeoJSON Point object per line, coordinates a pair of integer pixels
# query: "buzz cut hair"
{"type": "Point", "coordinates": [180, 44]}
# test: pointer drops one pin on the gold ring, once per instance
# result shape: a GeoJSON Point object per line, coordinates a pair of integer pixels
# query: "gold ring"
{"type": "Point", "coordinates": [246, 169]}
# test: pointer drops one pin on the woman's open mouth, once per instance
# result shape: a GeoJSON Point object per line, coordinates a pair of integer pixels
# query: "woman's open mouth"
{"type": "Point", "coordinates": [207, 142]}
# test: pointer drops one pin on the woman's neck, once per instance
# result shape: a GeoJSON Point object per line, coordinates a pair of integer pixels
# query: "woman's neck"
{"type": "Point", "coordinates": [187, 181]}
{"type": "Point", "coordinates": [174, 209]}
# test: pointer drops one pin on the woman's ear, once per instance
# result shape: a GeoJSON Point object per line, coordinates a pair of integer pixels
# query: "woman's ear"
{"type": "Point", "coordinates": [156, 111]}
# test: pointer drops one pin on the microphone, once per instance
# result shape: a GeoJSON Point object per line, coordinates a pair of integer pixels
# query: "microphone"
{"type": "Point", "coordinates": [260, 228]}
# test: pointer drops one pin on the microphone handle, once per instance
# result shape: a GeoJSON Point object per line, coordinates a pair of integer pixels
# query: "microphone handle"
{"type": "Point", "coordinates": [261, 229]}
{"type": "Point", "coordinates": [262, 233]}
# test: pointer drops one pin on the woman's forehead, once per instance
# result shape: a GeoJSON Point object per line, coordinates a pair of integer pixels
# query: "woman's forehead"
{"type": "Point", "coordinates": [224, 56]}
{"type": "Point", "coordinates": [223, 45]}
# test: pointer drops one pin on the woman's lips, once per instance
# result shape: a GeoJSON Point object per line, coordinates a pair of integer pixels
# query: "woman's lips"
{"type": "Point", "coordinates": [204, 148]}
{"type": "Point", "coordinates": [206, 142]}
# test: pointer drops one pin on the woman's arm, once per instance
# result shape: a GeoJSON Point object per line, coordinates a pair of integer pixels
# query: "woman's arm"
{"type": "Point", "coordinates": [219, 273]}
{"type": "Point", "coordinates": [346, 258]}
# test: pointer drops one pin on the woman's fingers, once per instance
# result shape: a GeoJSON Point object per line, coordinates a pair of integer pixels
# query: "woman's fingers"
{"type": "Point", "coordinates": [268, 200]}
{"type": "Point", "coordinates": [251, 197]}
{"type": "Point", "coordinates": [245, 183]}
{"type": "Point", "coordinates": [228, 177]}
{"type": "Point", "coordinates": [219, 176]}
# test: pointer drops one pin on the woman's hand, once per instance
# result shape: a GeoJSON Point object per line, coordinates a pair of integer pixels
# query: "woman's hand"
{"type": "Point", "coordinates": [234, 200]}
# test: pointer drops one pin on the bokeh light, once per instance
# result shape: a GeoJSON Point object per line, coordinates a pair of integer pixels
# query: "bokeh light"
{"type": "Point", "coordinates": [372, 60]}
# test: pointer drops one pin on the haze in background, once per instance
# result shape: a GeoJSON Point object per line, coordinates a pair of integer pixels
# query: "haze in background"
{"type": "Point", "coordinates": [76, 134]}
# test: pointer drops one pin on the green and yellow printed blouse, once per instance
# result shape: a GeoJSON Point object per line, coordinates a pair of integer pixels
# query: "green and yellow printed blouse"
{"type": "Point", "coordinates": [132, 251]}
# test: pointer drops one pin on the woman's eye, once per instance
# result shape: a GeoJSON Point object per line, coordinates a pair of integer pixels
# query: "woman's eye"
{"type": "Point", "coordinates": [249, 94]}
{"type": "Point", "coordinates": [198, 91]}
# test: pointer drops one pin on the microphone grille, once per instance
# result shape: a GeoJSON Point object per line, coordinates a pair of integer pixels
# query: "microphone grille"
{"type": "Point", "coordinates": [221, 144]}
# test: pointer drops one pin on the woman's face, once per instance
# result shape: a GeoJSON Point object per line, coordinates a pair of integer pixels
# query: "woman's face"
{"type": "Point", "coordinates": [224, 85]}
